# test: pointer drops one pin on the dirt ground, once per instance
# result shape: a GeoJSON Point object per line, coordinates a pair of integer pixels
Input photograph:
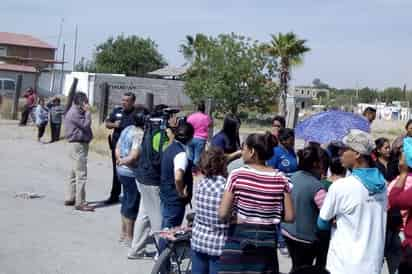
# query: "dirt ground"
{"type": "Point", "coordinates": [41, 236]}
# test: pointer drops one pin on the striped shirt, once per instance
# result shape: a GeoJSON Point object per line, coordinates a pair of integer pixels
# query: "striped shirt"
{"type": "Point", "coordinates": [258, 195]}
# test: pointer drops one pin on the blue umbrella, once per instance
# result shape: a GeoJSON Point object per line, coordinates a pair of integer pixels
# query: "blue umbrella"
{"type": "Point", "coordinates": [329, 126]}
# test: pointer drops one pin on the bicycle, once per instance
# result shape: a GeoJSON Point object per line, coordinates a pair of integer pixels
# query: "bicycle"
{"type": "Point", "coordinates": [177, 255]}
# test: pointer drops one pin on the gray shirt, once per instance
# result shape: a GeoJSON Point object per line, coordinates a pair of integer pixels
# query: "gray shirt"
{"type": "Point", "coordinates": [56, 114]}
{"type": "Point", "coordinates": [305, 187]}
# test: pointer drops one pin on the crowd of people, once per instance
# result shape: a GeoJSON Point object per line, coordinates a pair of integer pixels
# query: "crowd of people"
{"type": "Point", "coordinates": [42, 114]}
{"type": "Point", "coordinates": [340, 208]}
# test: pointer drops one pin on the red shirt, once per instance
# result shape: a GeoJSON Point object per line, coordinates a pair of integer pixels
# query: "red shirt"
{"type": "Point", "coordinates": [402, 199]}
{"type": "Point", "coordinates": [30, 99]}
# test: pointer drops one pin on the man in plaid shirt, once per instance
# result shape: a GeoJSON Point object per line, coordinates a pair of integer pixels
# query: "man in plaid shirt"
{"type": "Point", "coordinates": [209, 233]}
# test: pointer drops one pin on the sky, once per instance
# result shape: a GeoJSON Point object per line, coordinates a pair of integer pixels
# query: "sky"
{"type": "Point", "coordinates": [354, 43]}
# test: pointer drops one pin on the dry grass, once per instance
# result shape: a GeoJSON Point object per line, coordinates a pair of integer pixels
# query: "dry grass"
{"type": "Point", "coordinates": [100, 133]}
{"type": "Point", "coordinates": [6, 108]}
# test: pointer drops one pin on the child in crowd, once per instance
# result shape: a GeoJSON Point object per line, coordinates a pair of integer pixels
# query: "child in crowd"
{"type": "Point", "coordinates": [42, 117]}
{"type": "Point", "coordinates": [209, 233]}
{"type": "Point", "coordinates": [56, 117]}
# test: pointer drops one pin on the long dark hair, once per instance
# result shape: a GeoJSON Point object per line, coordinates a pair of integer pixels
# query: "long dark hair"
{"type": "Point", "coordinates": [230, 129]}
{"type": "Point", "coordinates": [263, 145]}
{"type": "Point", "coordinates": [311, 155]}
{"type": "Point", "coordinates": [379, 143]}
{"type": "Point", "coordinates": [408, 124]}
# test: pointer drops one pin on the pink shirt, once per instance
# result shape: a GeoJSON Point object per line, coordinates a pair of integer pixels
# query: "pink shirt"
{"type": "Point", "coordinates": [408, 185]}
{"type": "Point", "coordinates": [200, 123]}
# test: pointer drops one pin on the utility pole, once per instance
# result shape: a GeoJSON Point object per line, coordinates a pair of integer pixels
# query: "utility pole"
{"type": "Point", "coordinates": [404, 92]}
{"type": "Point", "coordinates": [62, 72]}
{"type": "Point", "coordinates": [75, 48]}
{"type": "Point", "coordinates": [56, 57]}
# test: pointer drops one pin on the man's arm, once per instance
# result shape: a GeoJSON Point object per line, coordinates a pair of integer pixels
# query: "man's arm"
{"type": "Point", "coordinates": [329, 209]}
{"type": "Point", "coordinates": [111, 122]}
{"type": "Point", "coordinates": [180, 184]}
{"type": "Point", "coordinates": [180, 164]}
{"type": "Point", "coordinates": [112, 125]}
{"type": "Point", "coordinates": [85, 124]}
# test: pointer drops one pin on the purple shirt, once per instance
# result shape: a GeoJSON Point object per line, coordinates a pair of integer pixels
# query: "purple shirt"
{"type": "Point", "coordinates": [77, 125]}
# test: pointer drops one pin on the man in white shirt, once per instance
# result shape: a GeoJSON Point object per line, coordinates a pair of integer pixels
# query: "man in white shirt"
{"type": "Point", "coordinates": [356, 206]}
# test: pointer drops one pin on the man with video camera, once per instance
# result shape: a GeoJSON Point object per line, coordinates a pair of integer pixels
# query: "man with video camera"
{"type": "Point", "coordinates": [158, 134]}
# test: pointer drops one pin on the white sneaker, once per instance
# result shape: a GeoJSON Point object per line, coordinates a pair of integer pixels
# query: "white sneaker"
{"type": "Point", "coordinates": [126, 243]}
{"type": "Point", "coordinates": [284, 251]}
{"type": "Point", "coordinates": [133, 255]}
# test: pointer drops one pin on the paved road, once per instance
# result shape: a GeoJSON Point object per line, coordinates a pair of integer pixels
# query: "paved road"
{"type": "Point", "coordinates": [41, 236]}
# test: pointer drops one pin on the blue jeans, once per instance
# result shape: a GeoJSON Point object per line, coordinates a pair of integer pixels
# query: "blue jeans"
{"type": "Point", "coordinates": [195, 149]}
{"type": "Point", "coordinates": [172, 216]}
{"type": "Point", "coordinates": [281, 240]}
{"type": "Point", "coordinates": [204, 264]}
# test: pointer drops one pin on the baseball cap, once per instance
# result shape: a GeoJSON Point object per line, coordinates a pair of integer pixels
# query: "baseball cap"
{"type": "Point", "coordinates": [359, 141]}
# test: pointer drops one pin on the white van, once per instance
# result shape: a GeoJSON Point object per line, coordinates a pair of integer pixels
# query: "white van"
{"type": "Point", "coordinates": [7, 86]}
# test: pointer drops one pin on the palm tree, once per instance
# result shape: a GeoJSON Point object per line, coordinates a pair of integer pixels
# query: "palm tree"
{"type": "Point", "coordinates": [193, 47]}
{"type": "Point", "coordinates": [187, 49]}
{"type": "Point", "coordinates": [290, 50]}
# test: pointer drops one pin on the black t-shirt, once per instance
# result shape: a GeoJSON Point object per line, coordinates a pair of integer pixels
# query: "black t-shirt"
{"type": "Point", "coordinates": [391, 171]}
{"type": "Point", "coordinates": [126, 119]}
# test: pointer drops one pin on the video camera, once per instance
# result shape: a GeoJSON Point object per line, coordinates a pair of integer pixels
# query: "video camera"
{"type": "Point", "coordinates": [161, 115]}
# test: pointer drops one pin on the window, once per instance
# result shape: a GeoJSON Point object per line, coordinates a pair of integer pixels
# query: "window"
{"type": "Point", "coordinates": [1, 84]}
{"type": "Point", "coordinates": [3, 51]}
{"type": "Point", "coordinates": [9, 85]}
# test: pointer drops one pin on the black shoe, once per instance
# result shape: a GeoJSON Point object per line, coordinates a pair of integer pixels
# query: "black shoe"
{"type": "Point", "coordinates": [111, 201]}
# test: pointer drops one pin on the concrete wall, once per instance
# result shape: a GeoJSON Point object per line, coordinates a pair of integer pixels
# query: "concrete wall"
{"type": "Point", "coordinates": [169, 92]}
{"type": "Point", "coordinates": [45, 82]}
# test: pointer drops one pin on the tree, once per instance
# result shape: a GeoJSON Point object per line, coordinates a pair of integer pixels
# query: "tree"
{"type": "Point", "coordinates": [131, 55]}
{"type": "Point", "coordinates": [231, 69]}
{"type": "Point", "coordinates": [367, 95]}
{"type": "Point", "coordinates": [289, 49]}
{"type": "Point", "coordinates": [392, 94]}
{"type": "Point", "coordinates": [317, 83]}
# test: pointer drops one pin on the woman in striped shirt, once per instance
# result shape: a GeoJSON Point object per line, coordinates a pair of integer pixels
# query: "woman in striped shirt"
{"type": "Point", "coordinates": [256, 199]}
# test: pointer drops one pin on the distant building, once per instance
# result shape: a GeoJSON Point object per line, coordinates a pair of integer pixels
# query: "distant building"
{"type": "Point", "coordinates": [304, 96]}
{"type": "Point", "coordinates": [26, 55]}
{"type": "Point", "coordinates": [305, 91]}
{"type": "Point", "coordinates": [169, 72]}
{"type": "Point", "coordinates": [394, 111]}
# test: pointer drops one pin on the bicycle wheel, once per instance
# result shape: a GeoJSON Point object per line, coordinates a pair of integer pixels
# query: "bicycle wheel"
{"type": "Point", "coordinates": [176, 257]}
{"type": "Point", "coordinates": [162, 260]}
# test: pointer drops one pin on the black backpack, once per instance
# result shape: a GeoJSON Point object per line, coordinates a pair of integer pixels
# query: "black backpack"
{"type": "Point", "coordinates": [148, 167]}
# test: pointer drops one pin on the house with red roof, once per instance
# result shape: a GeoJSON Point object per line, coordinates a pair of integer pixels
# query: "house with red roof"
{"type": "Point", "coordinates": [26, 55]}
